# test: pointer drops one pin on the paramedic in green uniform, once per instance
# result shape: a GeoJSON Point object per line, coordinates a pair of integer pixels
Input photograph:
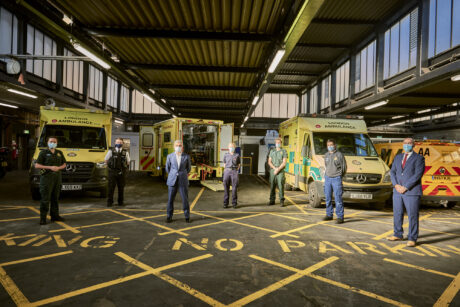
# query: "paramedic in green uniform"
{"type": "Point", "coordinates": [50, 162]}
{"type": "Point", "coordinates": [277, 161]}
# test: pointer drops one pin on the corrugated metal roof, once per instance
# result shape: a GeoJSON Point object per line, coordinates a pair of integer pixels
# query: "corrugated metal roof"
{"type": "Point", "coordinates": [188, 52]}
{"type": "Point", "coordinates": [243, 16]}
{"type": "Point", "coordinates": [205, 93]}
{"type": "Point", "coordinates": [365, 10]}
{"type": "Point", "coordinates": [208, 104]}
{"type": "Point", "coordinates": [334, 33]}
{"type": "Point", "coordinates": [314, 68]}
{"type": "Point", "coordinates": [293, 78]}
{"type": "Point", "coordinates": [197, 78]}
{"type": "Point", "coordinates": [318, 54]}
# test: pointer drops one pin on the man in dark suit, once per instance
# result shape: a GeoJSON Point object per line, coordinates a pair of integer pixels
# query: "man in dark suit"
{"type": "Point", "coordinates": [178, 166]}
{"type": "Point", "coordinates": [406, 175]}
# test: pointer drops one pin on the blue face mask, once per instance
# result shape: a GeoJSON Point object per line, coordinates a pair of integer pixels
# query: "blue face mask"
{"type": "Point", "coordinates": [331, 148]}
{"type": "Point", "coordinates": [407, 147]}
{"type": "Point", "coordinates": [278, 145]}
{"type": "Point", "coordinates": [118, 145]}
{"type": "Point", "coordinates": [178, 149]}
{"type": "Point", "coordinates": [231, 149]}
{"type": "Point", "coordinates": [52, 145]}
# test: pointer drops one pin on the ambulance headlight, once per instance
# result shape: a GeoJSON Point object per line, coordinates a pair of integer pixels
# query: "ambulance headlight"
{"type": "Point", "coordinates": [322, 171]}
{"type": "Point", "coordinates": [101, 165]}
{"type": "Point", "coordinates": [387, 177]}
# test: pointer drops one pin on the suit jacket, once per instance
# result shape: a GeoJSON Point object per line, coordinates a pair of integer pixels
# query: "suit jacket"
{"type": "Point", "coordinates": [178, 173]}
{"type": "Point", "coordinates": [411, 176]}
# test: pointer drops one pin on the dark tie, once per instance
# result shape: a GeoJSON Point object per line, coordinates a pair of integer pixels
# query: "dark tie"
{"type": "Point", "coordinates": [404, 161]}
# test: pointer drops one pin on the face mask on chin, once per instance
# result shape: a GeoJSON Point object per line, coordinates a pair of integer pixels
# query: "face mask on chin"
{"type": "Point", "coordinates": [52, 145]}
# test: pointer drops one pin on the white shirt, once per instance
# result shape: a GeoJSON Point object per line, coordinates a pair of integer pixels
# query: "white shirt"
{"type": "Point", "coordinates": [178, 157]}
{"type": "Point", "coordinates": [109, 155]}
{"type": "Point", "coordinates": [408, 156]}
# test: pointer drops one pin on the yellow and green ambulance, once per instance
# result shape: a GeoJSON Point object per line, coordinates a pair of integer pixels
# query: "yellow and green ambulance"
{"type": "Point", "coordinates": [205, 140]}
{"type": "Point", "coordinates": [305, 136]}
{"type": "Point", "coordinates": [84, 139]}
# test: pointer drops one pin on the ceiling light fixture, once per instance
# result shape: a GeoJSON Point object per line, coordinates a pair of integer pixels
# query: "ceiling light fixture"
{"type": "Point", "coordinates": [397, 116]}
{"type": "Point", "coordinates": [8, 105]}
{"type": "Point", "coordinates": [455, 78]}
{"type": "Point", "coordinates": [91, 55]}
{"type": "Point", "coordinates": [67, 20]}
{"type": "Point", "coordinates": [118, 121]}
{"type": "Point", "coordinates": [423, 111]}
{"type": "Point", "coordinates": [396, 124]}
{"type": "Point", "coordinates": [376, 105]}
{"type": "Point", "coordinates": [22, 93]}
{"type": "Point", "coordinates": [255, 100]}
{"type": "Point", "coordinates": [276, 60]}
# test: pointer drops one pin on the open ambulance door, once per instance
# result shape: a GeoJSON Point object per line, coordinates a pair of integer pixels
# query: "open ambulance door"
{"type": "Point", "coordinates": [225, 137]}
{"type": "Point", "coordinates": [146, 148]}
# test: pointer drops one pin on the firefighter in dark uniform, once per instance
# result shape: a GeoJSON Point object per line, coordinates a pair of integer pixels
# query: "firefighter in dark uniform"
{"type": "Point", "coordinates": [117, 160]}
{"type": "Point", "coordinates": [50, 162]}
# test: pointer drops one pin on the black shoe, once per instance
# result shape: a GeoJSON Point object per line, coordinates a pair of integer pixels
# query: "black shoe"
{"type": "Point", "coordinates": [234, 206]}
{"type": "Point", "coordinates": [339, 221]}
{"type": "Point", "coordinates": [327, 218]}
{"type": "Point", "coordinates": [225, 206]}
{"type": "Point", "coordinates": [122, 204]}
{"type": "Point", "coordinates": [271, 203]}
{"type": "Point", "coordinates": [188, 220]}
{"type": "Point", "coordinates": [57, 219]}
{"type": "Point", "coordinates": [109, 205]}
{"type": "Point", "coordinates": [282, 203]}
{"type": "Point", "coordinates": [169, 220]}
{"type": "Point", "coordinates": [42, 221]}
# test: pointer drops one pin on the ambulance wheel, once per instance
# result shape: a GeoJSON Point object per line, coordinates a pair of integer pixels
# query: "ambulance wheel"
{"type": "Point", "coordinates": [313, 196]}
{"type": "Point", "coordinates": [451, 204]}
{"type": "Point", "coordinates": [35, 193]}
{"type": "Point", "coordinates": [287, 187]}
{"type": "Point", "coordinates": [103, 193]}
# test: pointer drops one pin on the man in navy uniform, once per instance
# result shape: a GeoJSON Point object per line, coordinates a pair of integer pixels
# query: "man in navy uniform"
{"type": "Point", "coordinates": [117, 159]}
{"type": "Point", "coordinates": [406, 175]}
{"type": "Point", "coordinates": [51, 162]}
{"type": "Point", "coordinates": [232, 165]}
{"type": "Point", "coordinates": [178, 166]}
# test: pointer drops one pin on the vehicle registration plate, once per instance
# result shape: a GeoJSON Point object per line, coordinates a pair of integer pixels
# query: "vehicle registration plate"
{"type": "Point", "coordinates": [361, 196]}
{"type": "Point", "coordinates": [71, 187]}
{"type": "Point", "coordinates": [441, 178]}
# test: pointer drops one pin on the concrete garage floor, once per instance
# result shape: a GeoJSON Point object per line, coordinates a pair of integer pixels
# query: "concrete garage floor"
{"type": "Point", "coordinates": [255, 255]}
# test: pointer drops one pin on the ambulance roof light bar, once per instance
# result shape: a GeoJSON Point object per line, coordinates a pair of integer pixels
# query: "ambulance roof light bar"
{"type": "Point", "coordinates": [330, 116]}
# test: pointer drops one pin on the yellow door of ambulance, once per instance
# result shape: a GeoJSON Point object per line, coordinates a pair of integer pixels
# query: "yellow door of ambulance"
{"type": "Point", "coordinates": [305, 161]}
{"type": "Point", "coordinates": [146, 148]}
{"type": "Point", "coordinates": [225, 138]}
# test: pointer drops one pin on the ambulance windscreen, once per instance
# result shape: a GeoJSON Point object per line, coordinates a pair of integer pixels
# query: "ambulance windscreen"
{"type": "Point", "coordinates": [349, 144]}
{"type": "Point", "coordinates": [74, 136]}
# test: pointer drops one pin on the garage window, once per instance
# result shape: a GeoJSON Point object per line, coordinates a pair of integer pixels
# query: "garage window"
{"type": "Point", "coordinates": [401, 45]}
{"type": "Point", "coordinates": [8, 33]}
{"type": "Point", "coordinates": [444, 26]}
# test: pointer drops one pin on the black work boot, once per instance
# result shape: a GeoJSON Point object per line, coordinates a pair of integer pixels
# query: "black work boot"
{"type": "Point", "coordinates": [43, 221]}
{"type": "Point", "coordinates": [57, 219]}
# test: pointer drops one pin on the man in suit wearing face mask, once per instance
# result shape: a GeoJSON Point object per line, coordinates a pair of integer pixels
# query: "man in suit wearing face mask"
{"type": "Point", "coordinates": [178, 167]}
{"type": "Point", "coordinates": [406, 175]}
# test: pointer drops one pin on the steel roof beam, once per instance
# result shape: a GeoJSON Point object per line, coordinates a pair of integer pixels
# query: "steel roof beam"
{"type": "Point", "coordinates": [208, 99]}
{"type": "Point", "coordinates": [200, 68]}
{"type": "Point", "coordinates": [201, 87]}
{"type": "Point", "coordinates": [329, 21]}
{"type": "Point", "coordinates": [297, 73]}
{"type": "Point", "coordinates": [307, 62]}
{"type": "Point", "coordinates": [174, 34]}
{"type": "Point", "coordinates": [319, 45]}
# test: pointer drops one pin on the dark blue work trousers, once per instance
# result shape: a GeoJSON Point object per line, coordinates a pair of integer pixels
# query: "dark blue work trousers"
{"type": "Point", "coordinates": [334, 184]}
